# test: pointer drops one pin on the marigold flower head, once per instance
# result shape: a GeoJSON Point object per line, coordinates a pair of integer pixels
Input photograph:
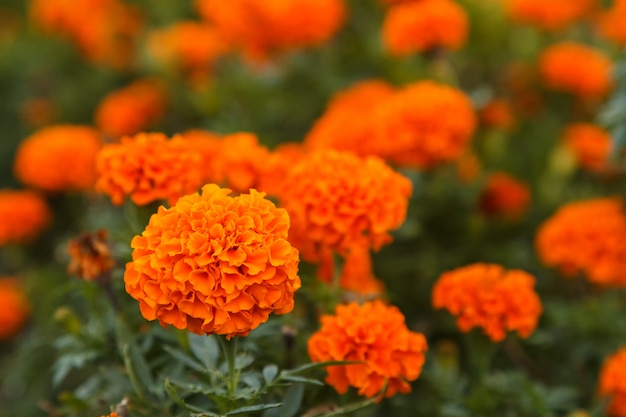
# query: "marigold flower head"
{"type": "Point", "coordinates": [357, 274]}
{"type": "Point", "coordinates": [610, 23]}
{"type": "Point", "coordinates": [103, 30]}
{"type": "Point", "coordinates": [132, 108]}
{"type": "Point", "coordinates": [15, 307]}
{"type": "Point", "coordinates": [208, 145]}
{"type": "Point", "coordinates": [148, 167]}
{"type": "Point", "coordinates": [348, 122]}
{"type": "Point", "coordinates": [189, 46]}
{"type": "Point", "coordinates": [337, 200]}
{"type": "Point", "coordinates": [587, 237]}
{"type": "Point", "coordinates": [214, 263]}
{"type": "Point", "coordinates": [278, 166]}
{"type": "Point", "coordinates": [413, 131]}
{"type": "Point", "coordinates": [504, 196]}
{"type": "Point", "coordinates": [424, 25]}
{"type": "Point", "coordinates": [498, 114]}
{"type": "Point", "coordinates": [490, 297]}
{"type": "Point", "coordinates": [552, 15]}
{"type": "Point", "coordinates": [561, 70]}
{"type": "Point", "coordinates": [612, 382]}
{"type": "Point", "coordinates": [24, 215]}
{"type": "Point", "coordinates": [590, 143]}
{"type": "Point", "coordinates": [90, 256]}
{"type": "Point", "coordinates": [259, 28]}
{"type": "Point", "coordinates": [58, 158]}
{"type": "Point", "coordinates": [375, 334]}
{"type": "Point", "coordinates": [242, 161]}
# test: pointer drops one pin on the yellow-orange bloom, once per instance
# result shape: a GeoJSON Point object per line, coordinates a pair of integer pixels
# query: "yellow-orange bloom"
{"type": "Point", "coordinates": [587, 237]}
{"type": "Point", "coordinates": [104, 30]}
{"type": "Point", "coordinates": [261, 27]}
{"type": "Point", "coordinates": [58, 158]}
{"type": "Point", "coordinates": [336, 200]}
{"type": "Point", "coordinates": [214, 263]}
{"type": "Point", "coordinates": [610, 23]}
{"type": "Point", "coordinates": [561, 70]}
{"type": "Point", "coordinates": [348, 122]}
{"type": "Point", "coordinates": [424, 25]}
{"type": "Point", "coordinates": [208, 145]}
{"type": "Point", "coordinates": [131, 109]}
{"type": "Point", "coordinates": [549, 15]}
{"type": "Point", "coordinates": [148, 167]}
{"type": "Point", "coordinates": [277, 167]}
{"type": "Point", "coordinates": [504, 196]}
{"type": "Point", "coordinates": [590, 143]}
{"type": "Point", "coordinates": [490, 297]}
{"type": "Point", "coordinates": [612, 382]}
{"type": "Point", "coordinates": [242, 161]}
{"type": "Point", "coordinates": [375, 334]}
{"type": "Point", "coordinates": [498, 114]}
{"type": "Point", "coordinates": [413, 130]}
{"type": "Point", "coordinates": [15, 308]}
{"type": "Point", "coordinates": [23, 215]}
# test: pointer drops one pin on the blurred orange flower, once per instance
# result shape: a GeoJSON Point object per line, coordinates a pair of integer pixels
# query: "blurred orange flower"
{"type": "Point", "coordinates": [242, 161]}
{"type": "Point", "coordinates": [375, 334]}
{"type": "Point", "coordinates": [104, 30]}
{"type": "Point", "coordinates": [498, 114]}
{"type": "Point", "coordinates": [208, 145]}
{"type": "Point", "coordinates": [58, 158]}
{"type": "Point", "coordinates": [610, 23]}
{"type": "Point", "coordinates": [347, 123]}
{"type": "Point", "coordinates": [15, 309]}
{"type": "Point", "coordinates": [190, 46]}
{"type": "Point", "coordinates": [586, 237]}
{"type": "Point", "coordinates": [424, 25]}
{"type": "Point", "coordinates": [590, 143]}
{"type": "Point", "coordinates": [90, 256]}
{"type": "Point", "coordinates": [468, 166]}
{"type": "Point", "coordinates": [415, 134]}
{"type": "Point", "coordinates": [561, 70]}
{"type": "Point", "coordinates": [504, 196]}
{"type": "Point", "coordinates": [549, 15]}
{"type": "Point", "coordinates": [148, 167]}
{"type": "Point", "coordinates": [612, 382]}
{"type": "Point", "coordinates": [281, 160]}
{"type": "Point", "coordinates": [214, 263]}
{"type": "Point", "coordinates": [336, 200]}
{"type": "Point", "coordinates": [262, 27]}
{"type": "Point", "coordinates": [490, 297]}
{"type": "Point", "coordinates": [24, 215]}
{"type": "Point", "coordinates": [357, 275]}
{"type": "Point", "coordinates": [132, 108]}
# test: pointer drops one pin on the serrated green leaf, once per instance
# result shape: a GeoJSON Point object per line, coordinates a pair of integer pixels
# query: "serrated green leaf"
{"type": "Point", "coordinates": [270, 372]}
{"type": "Point", "coordinates": [172, 391]}
{"type": "Point", "coordinates": [317, 365]}
{"type": "Point", "coordinates": [187, 360]}
{"type": "Point", "coordinates": [296, 378]}
{"type": "Point", "coordinates": [138, 371]}
{"type": "Point", "coordinates": [251, 408]}
{"type": "Point", "coordinates": [205, 348]}
{"type": "Point", "coordinates": [293, 401]}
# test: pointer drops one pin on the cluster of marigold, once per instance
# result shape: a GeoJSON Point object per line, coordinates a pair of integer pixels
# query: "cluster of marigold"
{"type": "Point", "coordinates": [214, 263]}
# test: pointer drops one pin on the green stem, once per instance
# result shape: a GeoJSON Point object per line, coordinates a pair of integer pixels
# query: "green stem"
{"type": "Point", "coordinates": [229, 348]}
{"type": "Point", "coordinates": [481, 351]}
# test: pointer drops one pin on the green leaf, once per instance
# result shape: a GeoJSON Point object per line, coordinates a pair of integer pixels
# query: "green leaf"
{"type": "Point", "coordinates": [317, 365]}
{"type": "Point", "coordinates": [293, 401]}
{"type": "Point", "coordinates": [187, 360]}
{"type": "Point", "coordinates": [138, 371]}
{"type": "Point", "coordinates": [251, 408]}
{"type": "Point", "coordinates": [243, 360]}
{"type": "Point", "coordinates": [205, 348]}
{"type": "Point", "coordinates": [172, 391]}
{"type": "Point", "coordinates": [270, 372]}
{"type": "Point", "coordinates": [296, 378]}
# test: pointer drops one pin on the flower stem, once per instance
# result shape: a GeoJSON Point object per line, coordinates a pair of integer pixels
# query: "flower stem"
{"type": "Point", "coordinates": [229, 348]}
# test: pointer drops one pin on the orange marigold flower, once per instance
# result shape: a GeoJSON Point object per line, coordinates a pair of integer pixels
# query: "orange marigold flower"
{"type": "Point", "coordinates": [58, 158]}
{"type": "Point", "coordinates": [490, 297]}
{"type": "Point", "coordinates": [148, 167]}
{"type": "Point", "coordinates": [337, 200]}
{"type": "Point", "coordinates": [242, 161]}
{"type": "Point", "coordinates": [278, 166]}
{"type": "Point", "coordinates": [498, 114]}
{"type": "Point", "coordinates": [90, 256]}
{"type": "Point", "coordinates": [413, 131]}
{"type": "Point", "coordinates": [610, 23]}
{"type": "Point", "coordinates": [15, 307]}
{"type": "Point", "coordinates": [347, 124]}
{"type": "Point", "coordinates": [214, 263]}
{"type": "Point", "coordinates": [468, 167]}
{"type": "Point", "coordinates": [561, 70]}
{"type": "Point", "coordinates": [104, 30]}
{"type": "Point", "coordinates": [112, 415]}
{"type": "Point", "coordinates": [188, 45]}
{"type": "Point", "coordinates": [552, 15]}
{"type": "Point", "coordinates": [586, 237]}
{"type": "Point", "coordinates": [131, 109]}
{"type": "Point", "coordinates": [357, 275]}
{"type": "Point", "coordinates": [24, 214]}
{"type": "Point", "coordinates": [424, 25]}
{"type": "Point", "coordinates": [209, 146]}
{"type": "Point", "coordinates": [590, 143]}
{"type": "Point", "coordinates": [612, 382]}
{"type": "Point", "coordinates": [504, 196]}
{"type": "Point", "coordinates": [262, 27]}
{"type": "Point", "coordinates": [375, 334]}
